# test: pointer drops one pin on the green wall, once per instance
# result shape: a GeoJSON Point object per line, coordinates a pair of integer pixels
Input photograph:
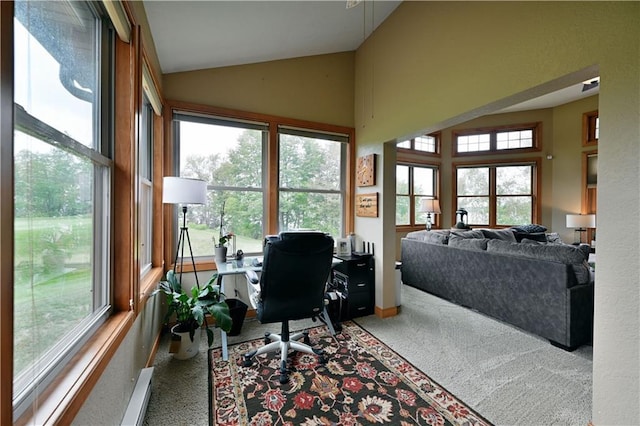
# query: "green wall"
{"type": "Point", "coordinates": [433, 65]}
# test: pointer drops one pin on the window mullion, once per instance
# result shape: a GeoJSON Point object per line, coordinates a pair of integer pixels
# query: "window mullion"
{"type": "Point", "coordinates": [493, 198]}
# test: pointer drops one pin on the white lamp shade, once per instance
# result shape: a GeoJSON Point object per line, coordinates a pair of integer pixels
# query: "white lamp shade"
{"type": "Point", "coordinates": [178, 190]}
{"type": "Point", "coordinates": [581, 221]}
{"type": "Point", "coordinates": [429, 205]}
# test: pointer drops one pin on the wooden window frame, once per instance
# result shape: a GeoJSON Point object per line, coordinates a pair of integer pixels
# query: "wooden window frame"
{"type": "Point", "coordinates": [589, 121]}
{"type": "Point", "coordinates": [412, 151]}
{"type": "Point", "coordinates": [537, 186]}
{"type": "Point", "coordinates": [536, 128]}
{"type": "Point", "coordinates": [65, 396]}
{"type": "Point", "coordinates": [404, 160]}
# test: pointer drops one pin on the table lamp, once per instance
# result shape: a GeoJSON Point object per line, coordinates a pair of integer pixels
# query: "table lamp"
{"type": "Point", "coordinates": [428, 206]}
{"type": "Point", "coordinates": [580, 223]}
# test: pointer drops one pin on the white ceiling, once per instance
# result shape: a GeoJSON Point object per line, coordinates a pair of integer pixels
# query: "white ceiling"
{"type": "Point", "coordinates": [191, 35]}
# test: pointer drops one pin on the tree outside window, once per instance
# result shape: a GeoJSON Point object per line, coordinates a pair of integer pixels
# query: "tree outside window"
{"type": "Point", "coordinates": [497, 195]}
{"type": "Point", "coordinates": [413, 182]}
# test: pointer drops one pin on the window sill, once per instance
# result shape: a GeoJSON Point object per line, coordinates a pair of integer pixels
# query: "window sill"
{"type": "Point", "coordinates": [149, 283]}
{"type": "Point", "coordinates": [64, 398]}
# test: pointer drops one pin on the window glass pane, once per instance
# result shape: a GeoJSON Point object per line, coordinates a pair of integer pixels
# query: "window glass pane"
{"type": "Point", "coordinates": [406, 144]}
{"type": "Point", "coordinates": [478, 209]}
{"type": "Point", "coordinates": [145, 175]}
{"type": "Point", "coordinates": [310, 171]}
{"type": "Point", "coordinates": [597, 129]}
{"type": "Point", "coordinates": [307, 163]}
{"type": "Point", "coordinates": [402, 180]}
{"type": "Point", "coordinates": [243, 212]}
{"type": "Point", "coordinates": [55, 51]}
{"type": "Point", "coordinates": [515, 139]}
{"type": "Point", "coordinates": [229, 159]}
{"type": "Point", "coordinates": [53, 247]}
{"type": "Point", "coordinates": [472, 143]}
{"type": "Point", "coordinates": [514, 180]}
{"type": "Point", "coordinates": [473, 181]}
{"type": "Point", "coordinates": [513, 210]}
{"type": "Point", "coordinates": [402, 210]}
{"type": "Point", "coordinates": [425, 143]}
{"type": "Point", "coordinates": [309, 210]}
{"type": "Point", "coordinates": [423, 181]}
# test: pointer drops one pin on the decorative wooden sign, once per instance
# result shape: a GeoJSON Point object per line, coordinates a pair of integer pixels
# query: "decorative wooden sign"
{"type": "Point", "coordinates": [366, 170]}
{"type": "Point", "coordinates": [367, 205]}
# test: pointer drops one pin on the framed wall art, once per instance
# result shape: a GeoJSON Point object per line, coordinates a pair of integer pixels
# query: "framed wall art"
{"type": "Point", "coordinates": [366, 170]}
{"type": "Point", "coordinates": [367, 205]}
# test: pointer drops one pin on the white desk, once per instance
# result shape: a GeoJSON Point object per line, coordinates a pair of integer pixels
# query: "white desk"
{"type": "Point", "coordinates": [231, 268]}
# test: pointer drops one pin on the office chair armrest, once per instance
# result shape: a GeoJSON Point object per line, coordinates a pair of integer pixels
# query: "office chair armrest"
{"type": "Point", "coordinates": [253, 288]}
{"type": "Point", "coordinates": [252, 277]}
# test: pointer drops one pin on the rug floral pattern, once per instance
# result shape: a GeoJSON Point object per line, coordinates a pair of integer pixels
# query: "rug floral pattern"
{"type": "Point", "coordinates": [363, 382]}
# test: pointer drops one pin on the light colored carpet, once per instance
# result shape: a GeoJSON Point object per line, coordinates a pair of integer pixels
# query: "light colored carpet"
{"type": "Point", "coordinates": [508, 376]}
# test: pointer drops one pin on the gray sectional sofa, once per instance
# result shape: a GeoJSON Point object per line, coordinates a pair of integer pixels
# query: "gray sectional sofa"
{"type": "Point", "coordinates": [542, 287]}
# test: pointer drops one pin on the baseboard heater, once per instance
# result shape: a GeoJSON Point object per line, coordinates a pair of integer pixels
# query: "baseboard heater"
{"type": "Point", "coordinates": [137, 408]}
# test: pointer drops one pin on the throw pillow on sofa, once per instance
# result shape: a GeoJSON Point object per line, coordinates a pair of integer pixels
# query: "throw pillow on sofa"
{"type": "Point", "coordinates": [531, 228]}
{"type": "Point", "coordinates": [535, 236]}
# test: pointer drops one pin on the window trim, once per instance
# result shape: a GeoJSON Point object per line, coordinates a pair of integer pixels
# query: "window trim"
{"type": "Point", "coordinates": [589, 120]}
{"type": "Point", "coordinates": [536, 213]}
{"type": "Point", "coordinates": [493, 131]}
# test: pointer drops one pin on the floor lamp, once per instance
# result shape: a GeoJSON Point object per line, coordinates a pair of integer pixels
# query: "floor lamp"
{"type": "Point", "coordinates": [177, 190]}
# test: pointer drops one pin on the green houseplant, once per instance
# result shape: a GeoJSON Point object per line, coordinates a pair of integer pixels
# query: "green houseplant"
{"type": "Point", "coordinates": [190, 309]}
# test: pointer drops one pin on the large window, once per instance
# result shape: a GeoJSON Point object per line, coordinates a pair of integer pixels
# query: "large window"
{"type": "Point", "coordinates": [498, 194]}
{"type": "Point", "coordinates": [62, 186]}
{"type": "Point", "coordinates": [228, 155]}
{"type": "Point", "coordinates": [145, 179]}
{"type": "Point", "coordinates": [311, 184]}
{"type": "Point", "coordinates": [236, 158]}
{"type": "Point", "coordinates": [508, 138]}
{"type": "Point", "coordinates": [413, 182]}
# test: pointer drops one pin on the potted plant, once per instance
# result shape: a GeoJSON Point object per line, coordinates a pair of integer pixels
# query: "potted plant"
{"type": "Point", "coordinates": [190, 311]}
{"type": "Point", "coordinates": [223, 239]}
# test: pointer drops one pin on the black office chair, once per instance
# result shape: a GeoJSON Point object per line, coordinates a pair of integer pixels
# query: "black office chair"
{"type": "Point", "coordinates": [295, 269]}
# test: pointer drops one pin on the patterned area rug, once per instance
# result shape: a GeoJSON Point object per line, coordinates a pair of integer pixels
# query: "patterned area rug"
{"type": "Point", "coordinates": [363, 382]}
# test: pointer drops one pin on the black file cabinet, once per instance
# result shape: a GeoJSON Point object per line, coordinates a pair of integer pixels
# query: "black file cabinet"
{"type": "Point", "coordinates": [354, 277]}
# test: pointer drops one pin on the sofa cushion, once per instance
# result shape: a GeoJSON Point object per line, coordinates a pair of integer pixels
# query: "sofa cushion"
{"type": "Point", "coordinates": [438, 236]}
{"type": "Point", "coordinates": [563, 253]}
{"type": "Point", "coordinates": [474, 233]}
{"type": "Point", "coordinates": [468, 243]}
{"type": "Point", "coordinates": [499, 234]}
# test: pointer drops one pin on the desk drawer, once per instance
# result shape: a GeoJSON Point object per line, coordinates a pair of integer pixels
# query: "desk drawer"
{"type": "Point", "coordinates": [360, 304]}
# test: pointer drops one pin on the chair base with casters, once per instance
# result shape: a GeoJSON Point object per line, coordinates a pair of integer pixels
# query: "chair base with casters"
{"type": "Point", "coordinates": [283, 342]}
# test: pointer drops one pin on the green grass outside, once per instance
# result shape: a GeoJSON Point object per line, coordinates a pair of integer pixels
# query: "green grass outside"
{"type": "Point", "coordinates": [49, 301]}
{"type": "Point", "coordinates": [52, 283]}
